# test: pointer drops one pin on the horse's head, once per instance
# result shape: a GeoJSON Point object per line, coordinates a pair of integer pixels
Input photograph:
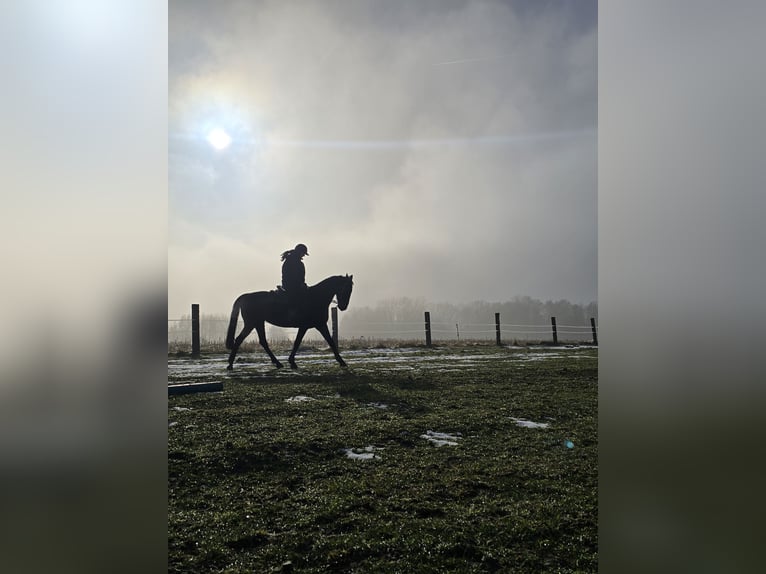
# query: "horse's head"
{"type": "Point", "coordinates": [344, 292]}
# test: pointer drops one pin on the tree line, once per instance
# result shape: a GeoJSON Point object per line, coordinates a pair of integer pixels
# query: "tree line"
{"type": "Point", "coordinates": [403, 317]}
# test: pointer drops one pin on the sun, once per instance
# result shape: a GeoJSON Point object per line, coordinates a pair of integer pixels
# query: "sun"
{"type": "Point", "coordinates": [219, 139]}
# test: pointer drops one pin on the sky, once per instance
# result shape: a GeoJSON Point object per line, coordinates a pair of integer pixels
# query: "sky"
{"type": "Point", "coordinates": [443, 150]}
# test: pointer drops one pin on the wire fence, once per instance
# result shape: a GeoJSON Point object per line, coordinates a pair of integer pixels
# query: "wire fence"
{"type": "Point", "coordinates": [211, 330]}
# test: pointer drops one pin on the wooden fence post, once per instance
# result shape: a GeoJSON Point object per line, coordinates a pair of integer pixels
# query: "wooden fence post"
{"type": "Point", "coordinates": [428, 329]}
{"type": "Point", "coordinates": [555, 334]}
{"type": "Point", "coordinates": [334, 311]}
{"type": "Point", "coordinates": [593, 330]}
{"type": "Point", "coordinates": [497, 329]}
{"type": "Point", "coordinates": [195, 329]}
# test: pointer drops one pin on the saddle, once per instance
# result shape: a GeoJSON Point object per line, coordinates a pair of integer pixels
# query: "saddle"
{"type": "Point", "coordinates": [293, 299]}
{"type": "Point", "coordinates": [298, 292]}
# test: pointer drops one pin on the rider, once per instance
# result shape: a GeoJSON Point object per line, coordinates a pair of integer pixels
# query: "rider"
{"type": "Point", "coordinates": [294, 273]}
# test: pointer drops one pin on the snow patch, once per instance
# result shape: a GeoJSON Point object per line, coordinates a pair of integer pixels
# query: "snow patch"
{"type": "Point", "coordinates": [299, 399]}
{"type": "Point", "coordinates": [365, 453]}
{"type": "Point", "coordinates": [442, 439]}
{"type": "Point", "coordinates": [529, 424]}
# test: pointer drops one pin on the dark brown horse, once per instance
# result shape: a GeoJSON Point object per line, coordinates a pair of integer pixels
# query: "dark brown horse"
{"type": "Point", "coordinates": [272, 307]}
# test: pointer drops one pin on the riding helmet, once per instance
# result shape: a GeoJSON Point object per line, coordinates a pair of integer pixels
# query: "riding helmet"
{"type": "Point", "coordinates": [301, 249]}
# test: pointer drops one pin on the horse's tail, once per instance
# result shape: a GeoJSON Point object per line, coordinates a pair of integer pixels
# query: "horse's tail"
{"type": "Point", "coordinates": [232, 324]}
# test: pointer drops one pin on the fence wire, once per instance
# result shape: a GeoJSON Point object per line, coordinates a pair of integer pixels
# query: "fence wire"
{"type": "Point", "coordinates": [213, 330]}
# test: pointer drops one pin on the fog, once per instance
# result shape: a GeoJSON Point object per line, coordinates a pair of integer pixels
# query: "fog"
{"type": "Point", "coordinates": [443, 150]}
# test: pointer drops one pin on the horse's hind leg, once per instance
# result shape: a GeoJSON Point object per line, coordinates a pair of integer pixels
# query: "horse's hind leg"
{"type": "Point", "coordinates": [327, 337]}
{"type": "Point", "coordinates": [261, 330]}
{"type": "Point", "coordinates": [296, 344]}
{"type": "Point", "coordinates": [237, 342]}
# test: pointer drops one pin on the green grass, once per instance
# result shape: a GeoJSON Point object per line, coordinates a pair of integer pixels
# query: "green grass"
{"type": "Point", "coordinates": [256, 481]}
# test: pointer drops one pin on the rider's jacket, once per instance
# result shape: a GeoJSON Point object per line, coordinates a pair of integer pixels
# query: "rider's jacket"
{"type": "Point", "coordinates": [293, 274]}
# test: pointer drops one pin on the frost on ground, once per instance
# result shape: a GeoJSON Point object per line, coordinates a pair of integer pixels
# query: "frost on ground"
{"type": "Point", "coordinates": [365, 453]}
{"type": "Point", "coordinates": [529, 424]}
{"type": "Point", "coordinates": [441, 439]}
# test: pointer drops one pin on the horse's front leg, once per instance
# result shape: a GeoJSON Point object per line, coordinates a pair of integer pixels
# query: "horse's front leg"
{"type": "Point", "coordinates": [261, 329]}
{"type": "Point", "coordinates": [298, 339]}
{"type": "Point", "coordinates": [326, 334]}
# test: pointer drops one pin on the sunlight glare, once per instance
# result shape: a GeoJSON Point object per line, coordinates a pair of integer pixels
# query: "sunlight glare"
{"type": "Point", "coordinates": [219, 139]}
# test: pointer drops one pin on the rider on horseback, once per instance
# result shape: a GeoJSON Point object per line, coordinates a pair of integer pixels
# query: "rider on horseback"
{"type": "Point", "coordinates": [294, 276]}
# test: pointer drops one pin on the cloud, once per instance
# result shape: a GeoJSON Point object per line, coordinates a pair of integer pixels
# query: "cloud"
{"type": "Point", "coordinates": [461, 181]}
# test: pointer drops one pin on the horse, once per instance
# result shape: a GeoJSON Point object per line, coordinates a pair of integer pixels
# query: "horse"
{"type": "Point", "coordinates": [272, 307]}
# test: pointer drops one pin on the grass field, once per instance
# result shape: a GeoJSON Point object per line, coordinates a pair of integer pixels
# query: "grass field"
{"type": "Point", "coordinates": [458, 458]}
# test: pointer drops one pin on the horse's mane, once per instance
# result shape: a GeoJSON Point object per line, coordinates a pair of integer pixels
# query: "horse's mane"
{"type": "Point", "coordinates": [328, 279]}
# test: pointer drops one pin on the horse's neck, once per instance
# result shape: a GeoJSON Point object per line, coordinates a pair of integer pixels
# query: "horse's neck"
{"type": "Point", "coordinates": [325, 289]}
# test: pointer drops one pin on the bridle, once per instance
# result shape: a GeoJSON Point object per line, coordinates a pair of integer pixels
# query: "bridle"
{"type": "Point", "coordinates": [342, 292]}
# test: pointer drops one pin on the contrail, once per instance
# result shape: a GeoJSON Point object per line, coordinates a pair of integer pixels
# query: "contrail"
{"type": "Point", "coordinates": [390, 144]}
{"type": "Point", "coordinates": [504, 139]}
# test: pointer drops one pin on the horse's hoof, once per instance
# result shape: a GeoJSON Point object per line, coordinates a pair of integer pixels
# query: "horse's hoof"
{"type": "Point", "coordinates": [279, 365]}
{"type": "Point", "coordinates": [293, 366]}
{"type": "Point", "coordinates": [229, 367]}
